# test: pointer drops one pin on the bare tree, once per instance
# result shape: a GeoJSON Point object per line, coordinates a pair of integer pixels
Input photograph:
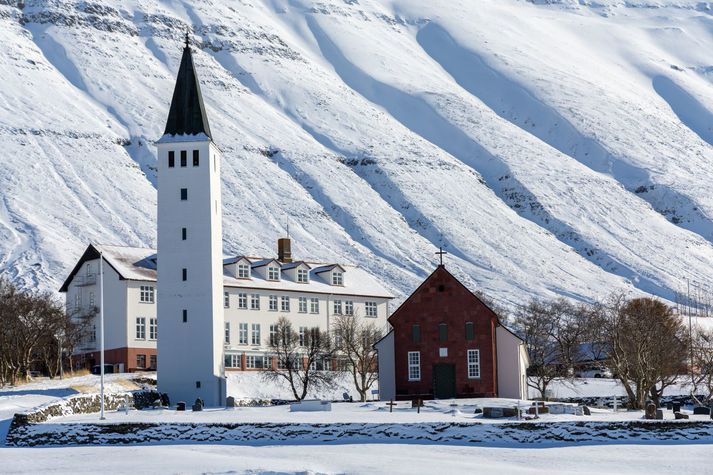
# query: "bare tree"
{"type": "Point", "coordinates": [647, 347]}
{"type": "Point", "coordinates": [354, 340]}
{"type": "Point", "coordinates": [299, 357]}
{"type": "Point", "coordinates": [702, 365]}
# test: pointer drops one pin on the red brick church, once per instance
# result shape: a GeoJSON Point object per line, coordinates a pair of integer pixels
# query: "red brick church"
{"type": "Point", "coordinates": [447, 343]}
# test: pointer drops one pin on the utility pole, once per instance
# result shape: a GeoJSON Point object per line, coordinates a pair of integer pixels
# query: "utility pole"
{"type": "Point", "coordinates": [101, 329]}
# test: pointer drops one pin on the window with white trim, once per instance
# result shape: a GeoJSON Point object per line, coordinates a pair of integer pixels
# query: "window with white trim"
{"type": "Point", "coordinates": [370, 308]}
{"type": "Point", "coordinates": [232, 361]}
{"type": "Point", "coordinates": [255, 301]}
{"type": "Point", "coordinates": [285, 303]}
{"type": "Point", "coordinates": [243, 333]}
{"type": "Point", "coordinates": [303, 305]}
{"type": "Point", "coordinates": [348, 307]}
{"type": "Point", "coordinates": [227, 333]}
{"type": "Point", "coordinates": [273, 273]}
{"type": "Point", "coordinates": [93, 334]}
{"type": "Point", "coordinates": [140, 328]}
{"type": "Point", "coordinates": [314, 305]}
{"type": "Point", "coordinates": [256, 362]}
{"type": "Point", "coordinates": [243, 271]}
{"type": "Point", "coordinates": [302, 333]}
{"type": "Point", "coordinates": [226, 300]}
{"type": "Point", "coordinates": [146, 294]}
{"type": "Point", "coordinates": [414, 366]}
{"type": "Point", "coordinates": [153, 328]}
{"type": "Point", "coordinates": [255, 334]}
{"type": "Point", "coordinates": [302, 276]}
{"type": "Point", "coordinates": [91, 299]}
{"type": "Point", "coordinates": [273, 335]}
{"type": "Point", "coordinates": [337, 307]}
{"type": "Point", "coordinates": [243, 301]}
{"type": "Point", "coordinates": [337, 277]}
{"type": "Point", "coordinates": [78, 300]}
{"type": "Point", "coordinates": [272, 303]}
{"type": "Point", "coordinates": [473, 364]}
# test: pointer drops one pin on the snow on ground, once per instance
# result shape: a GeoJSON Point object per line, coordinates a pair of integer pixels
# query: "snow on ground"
{"type": "Point", "coordinates": [393, 459]}
{"type": "Point", "coordinates": [600, 387]}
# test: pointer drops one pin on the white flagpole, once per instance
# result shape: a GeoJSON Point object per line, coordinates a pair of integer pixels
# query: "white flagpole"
{"type": "Point", "coordinates": [101, 328]}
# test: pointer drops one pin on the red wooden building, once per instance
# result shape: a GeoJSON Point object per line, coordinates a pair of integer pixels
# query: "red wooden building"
{"type": "Point", "coordinates": [447, 343]}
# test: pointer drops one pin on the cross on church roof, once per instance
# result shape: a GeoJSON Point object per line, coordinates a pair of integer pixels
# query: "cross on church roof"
{"type": "Point", "coordinates": [440, 254]}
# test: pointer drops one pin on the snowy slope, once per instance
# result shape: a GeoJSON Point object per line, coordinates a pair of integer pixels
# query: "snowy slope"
{"type": "Point", "coordinates": [554, 147]}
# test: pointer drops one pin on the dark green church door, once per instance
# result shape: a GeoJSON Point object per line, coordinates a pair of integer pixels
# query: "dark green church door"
{"type": "Point", "coordinates": [444, 381]}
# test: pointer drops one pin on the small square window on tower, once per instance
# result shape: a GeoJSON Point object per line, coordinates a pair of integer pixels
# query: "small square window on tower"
{"type": "Point", "coordinates": [184, 194]}
{"type": "Point", "coordinates": [195, 158]}
{"type": "Point", "coordinates": [184, 158]}
{"type": "Point", "coordinates": [171, 159]}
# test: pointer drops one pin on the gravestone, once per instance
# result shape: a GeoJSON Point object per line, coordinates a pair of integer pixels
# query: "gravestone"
{"type": "Point", "coordinates": [198, 405]}
{"type": "Point", "coordinates": [678, 415]}
{"type": "Point", "coordinates": [230, 401]}
{"type": "Point", "coordinates": [669, 406]}
{"type": "Point", "coordinates": [311, 405]}
{"type": "Point", "coordinates": [180, 406]}
{"type": "Point", "coordinates": [702, 410]}
{"type": "Point", "coordinates": [165, 401]}
{"type": "Point", "coordinates": [659, 414]}
{"type": "Point", "coordinates": [586, 411]}
{"type": "Point", "coordinates": [478, 411]}
{"type": "Point", "coordinates": [676, 407]}
{"type": "Point", "coordinates": [650, 411]}
{"type": "Point", "coordinates": [498, 412]}
{"type": "Point", "coordinates": [538, 410]}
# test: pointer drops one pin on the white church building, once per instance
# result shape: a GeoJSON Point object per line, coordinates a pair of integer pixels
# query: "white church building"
{"type": "Point", "coordinates": [200, 312]}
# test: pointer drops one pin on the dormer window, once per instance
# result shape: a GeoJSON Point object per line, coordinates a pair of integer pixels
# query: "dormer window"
{"type": "Point", "coordinates": [302, 276]}
{"type": "Point", "coordinates": [337, 277]}
{"type": "Point", "coordinates": [243, 271]}
{"type": "Point", "coordinates": [273, 273]}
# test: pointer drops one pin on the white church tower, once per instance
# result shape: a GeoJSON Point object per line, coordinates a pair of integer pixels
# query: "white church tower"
{"type": "Point", "coordinates": [190, 250]}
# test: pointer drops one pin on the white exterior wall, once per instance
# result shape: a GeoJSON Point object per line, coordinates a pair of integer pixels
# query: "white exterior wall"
{"type": "Point", "coordinates": [265, 317]}
{"type": "Point", "coordinates": [512, 365]}
{"type": "Point", "coordinates": [387, 368]}
{"type": "Point", "coordinates": [136, 308]}
{"type": "Point", "coordinates": [190, 363]}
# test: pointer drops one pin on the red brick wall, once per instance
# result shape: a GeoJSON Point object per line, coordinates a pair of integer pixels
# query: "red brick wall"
{"type": "Point", "coordinates": [118, 355]}
{"type": "Point", "coordinates": [443, 299]}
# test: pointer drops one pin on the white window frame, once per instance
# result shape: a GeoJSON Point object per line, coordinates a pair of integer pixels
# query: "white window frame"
{"type": "Point", "coordinates": [227, 333]}
{"type": "Point", "coordinates": [234, 361]}
{"type": "Point", "coordinates": [226, 300]}
{"type": "Point", "coordinates": [146, 294]}
{"type": "Point", "coordinates": [303, 276]}
{"type": "Point", "coordinates": [273, 334]}
{"type": "Point", "coordinates": [153, 328]}
{"type": "Point", "coordinates": [473, 361]}
{"type": "Point", "coordinates": [348, 307]}
{"type": "Point", "coordinates": [140, 328]}
{"type": "Point", "coordinates": [337, 307]}
{"type": "Point", "coordinates": [91, 299]}
{"type": "Point", "coordinates": [243, 271]}
{"type": "Point", "coordinates": [302, 334]}
{"type": "Point", "coordinates": [273, 273]}
{"type": "Point", "coordinates": [254, 301]}
{"type": "Point", "coordinates": [303, 305]}
{"type": "Point", "coordinates": [272, 303]}
{"type": "Point", "coordinates": [255, 337]}
{"type": "Point", "coordinates": [414, 365]}
{"type": "Point", "coordinates": [285, 303]}
{"type": "Point", "coordinates": [371, 309]}
{"type": "Point", "coordinates": [243, 333]}
{"type": "Point", "coordinates": [243, 301]}
{"type": "Point", "coordinates": [78, 300]}
{"type": "Point", "coordinates": [314, 305]}
{"type": "Point", "coordinates": [337, 277]}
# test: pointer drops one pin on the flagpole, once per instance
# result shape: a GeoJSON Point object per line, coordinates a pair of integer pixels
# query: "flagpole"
{"type": "Point", "coordinates": [101, 328]}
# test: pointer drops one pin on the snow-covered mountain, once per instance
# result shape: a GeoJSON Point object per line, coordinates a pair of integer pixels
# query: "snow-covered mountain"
{"type": "Point", "coordinates": [554, 147]}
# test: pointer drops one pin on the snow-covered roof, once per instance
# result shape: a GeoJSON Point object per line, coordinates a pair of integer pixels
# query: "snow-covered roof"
{"type": "Point", "coordinates": [138, 263]}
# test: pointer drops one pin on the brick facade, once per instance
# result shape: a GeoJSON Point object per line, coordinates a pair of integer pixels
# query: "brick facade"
{"type": "Point", "coordinates": [440, 299]}
{"type": "Point", "coordinates": [127, 356]}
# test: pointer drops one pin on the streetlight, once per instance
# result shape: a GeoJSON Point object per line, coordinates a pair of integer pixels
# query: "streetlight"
{"type": "Point", "coordinates": [101, 329]}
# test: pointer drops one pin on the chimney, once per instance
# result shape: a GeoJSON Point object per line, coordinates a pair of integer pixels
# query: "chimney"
{"type": "Point", "coordinates": [284, 251]}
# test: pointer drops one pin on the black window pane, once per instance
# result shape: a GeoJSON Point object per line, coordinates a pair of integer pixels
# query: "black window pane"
{"type": "Point", "coordinates": [184, 233]}
{"type": "Point", "coordinates": [416, 333]}
{"type": "Point", "coordinates": [184, 154]}
{"type": "Point", "coordinates": [171, 159]}
{"type": "Point", "coordinates": [185, 315]}
{"type": "Point", "coordinates": [185, 274]}
{"type": "Point", "coordinates": [195, 158]}
{"type": "Point", "coordinates": [469, 331]}
{"type": "Point", "coordinates": [184, 194]}
{"type": "Point", "coordinates": [443, 332]}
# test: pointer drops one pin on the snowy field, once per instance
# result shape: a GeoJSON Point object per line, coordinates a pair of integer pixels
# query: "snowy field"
{"type": "Point", "coordinates": [675, 457]}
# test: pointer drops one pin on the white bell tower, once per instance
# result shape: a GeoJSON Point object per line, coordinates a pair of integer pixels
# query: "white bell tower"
{"type": "Point", "coordinates": [190, 250]}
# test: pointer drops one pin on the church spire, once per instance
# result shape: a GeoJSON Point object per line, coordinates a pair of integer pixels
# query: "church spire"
{"type": "Point", "coordinates": [187, 114]}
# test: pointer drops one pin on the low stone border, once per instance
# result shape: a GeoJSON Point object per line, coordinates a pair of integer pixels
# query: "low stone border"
{"type": "Point", "coordinates": [501, 434]}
